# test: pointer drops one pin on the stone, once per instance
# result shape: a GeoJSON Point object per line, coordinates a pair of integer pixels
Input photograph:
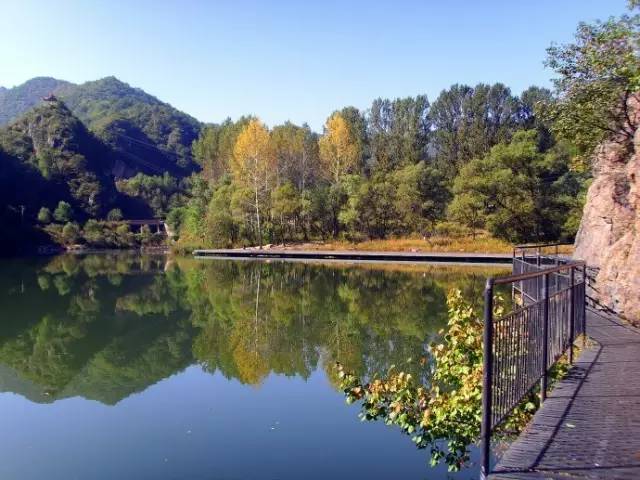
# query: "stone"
{"type": "Point", "coordinates": [609, 234]}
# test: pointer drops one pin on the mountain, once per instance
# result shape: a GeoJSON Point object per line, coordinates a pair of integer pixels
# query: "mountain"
{"type": "Point", "coordinates": [48, 155]}
{"type": "Point", "coordinates": [149, 136]}
{"type": "Point", "coordinates": [17, 100]}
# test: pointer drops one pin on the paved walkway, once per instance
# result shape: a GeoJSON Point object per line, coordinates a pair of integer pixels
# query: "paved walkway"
{"type": "Point", "coordinates": [589, 427]}
{"type": "Point", "coordinates": [444, 257]}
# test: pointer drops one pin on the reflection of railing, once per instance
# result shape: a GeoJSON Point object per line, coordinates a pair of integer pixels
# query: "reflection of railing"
{"type": "Point", "coordinates": [521, 346]}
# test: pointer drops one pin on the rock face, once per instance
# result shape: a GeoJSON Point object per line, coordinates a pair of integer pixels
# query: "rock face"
{"type": "Point", "coordinates": [609, 235]}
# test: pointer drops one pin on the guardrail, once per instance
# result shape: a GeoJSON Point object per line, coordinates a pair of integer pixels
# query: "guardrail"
{"type": "Point", "coordinates": [521, 346]}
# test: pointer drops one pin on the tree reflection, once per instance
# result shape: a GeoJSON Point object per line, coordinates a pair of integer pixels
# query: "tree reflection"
{"type": "Point", "coordinates": [106, 326]}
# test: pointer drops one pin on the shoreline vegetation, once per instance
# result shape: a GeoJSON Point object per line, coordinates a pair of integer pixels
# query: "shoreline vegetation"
{"type": "Point", "coordinates": [483, 243]}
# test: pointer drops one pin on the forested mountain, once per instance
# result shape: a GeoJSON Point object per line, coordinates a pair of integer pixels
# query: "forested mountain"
{"type": "Point", "coordinates": [18, 100]}
{"type": "Point", "coordinates": [48, 155]}
{"type": "Point", "coordinates": [150, 136]}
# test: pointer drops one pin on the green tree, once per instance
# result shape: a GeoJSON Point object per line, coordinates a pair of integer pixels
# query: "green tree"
{"type": "Point", "coordinates": [114, 215]}
{"type": "Point", "coordinates": [63, 212]}
{"type": "Point", "coordinates": [221, 226]}
{"type": "Point", "coordinates": [468, 121]}
{"type": "Point", "coordinates": [285, 209]}
{"type": "Point", "coordinates": [70, 233]}
{"type": "Point", "coordinates": [521, 189]}
{"type": "Point", "coordinates": [93, 233]}
{"type": "Point", "coordinates": [398, 132]}
{"type": "Point", "coordinates": [597, 74]}
{"type": "Point", "coordinates": [44, 215]}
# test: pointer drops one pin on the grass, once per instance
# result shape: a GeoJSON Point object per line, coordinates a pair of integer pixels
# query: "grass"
{"type": "Point", "coordinates": [483, 243]}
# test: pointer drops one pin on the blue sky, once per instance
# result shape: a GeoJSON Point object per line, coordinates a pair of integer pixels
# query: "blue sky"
{"type": "Point", "coordinates": [287, 60]}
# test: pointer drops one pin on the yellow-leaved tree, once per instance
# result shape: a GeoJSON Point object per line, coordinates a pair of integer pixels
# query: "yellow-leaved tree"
{"type": "Point", "coordinates": [339, 149]}
{"type": "Point", "coordinates": [253, 165]}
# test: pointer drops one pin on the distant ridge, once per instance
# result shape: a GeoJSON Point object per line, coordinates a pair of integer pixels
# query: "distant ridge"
{"type": "Point", "coordinates": [150, 135]}
{"type": "Point", "coordinates": [18, 100]}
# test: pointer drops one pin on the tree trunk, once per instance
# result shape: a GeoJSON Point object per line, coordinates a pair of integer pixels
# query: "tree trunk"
{"type": "Point", "coordinates": [258, 219]}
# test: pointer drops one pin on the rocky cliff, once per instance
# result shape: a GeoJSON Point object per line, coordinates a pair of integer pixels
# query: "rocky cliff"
{"type": "Point", "coordinates": [609, 235]}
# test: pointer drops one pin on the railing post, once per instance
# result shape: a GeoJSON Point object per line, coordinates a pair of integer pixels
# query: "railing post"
{"type": "Point", "coordinates": [538, 278]}
{"type": "Point", "coordinates": [487, 379]}
{"type": "Point", "coordinates": [584, 305]}
{"type": "Point", "coordinates": [545, 336]}
{"type": "Point", "coordinates": [572, 313]}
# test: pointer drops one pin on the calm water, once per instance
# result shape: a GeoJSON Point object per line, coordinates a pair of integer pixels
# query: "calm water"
{"type": "Point", "coordinates": [130, 367]}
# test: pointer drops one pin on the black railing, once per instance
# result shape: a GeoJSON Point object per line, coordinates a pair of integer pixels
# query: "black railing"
{"type": "Point", "coordinates": [521, 346]}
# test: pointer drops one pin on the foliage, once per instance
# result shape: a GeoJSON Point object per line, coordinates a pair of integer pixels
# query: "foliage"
{"type": "Point", "coordinates": [151, 136]}
{"type": "Point", "coordinates": [399, 132]}
{"type": "Point", "coordinates": [44, 215]}
{"type": "Point", "coordinates": [160, 192]}
{"type": "Point", "coordinates": [339, 149]}
{"type": "Point", "coordinates": [114, 215]}
{"type": "Point", "coordinates": [52, 150]}
{"type": "Point", "coordinates": [63, 212]}
{"type": "Point", "coordinates": [70, 233]}
{"type": "Point", "coordinates": [519, 192]}
{"type": "Point", "coordinates": [468, 121]}
{"type": "Point", "coordinates": [18, 100]}
{"type": "Point", "coordinates": [449, 409]}
{"type": "Point", "coordinates": [253, 166]}
{"type": "Point", "coordinates": [596, 76]}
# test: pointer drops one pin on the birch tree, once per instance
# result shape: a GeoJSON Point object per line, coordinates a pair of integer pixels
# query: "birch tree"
{"type": "Point", "coordinates": [253, 165]}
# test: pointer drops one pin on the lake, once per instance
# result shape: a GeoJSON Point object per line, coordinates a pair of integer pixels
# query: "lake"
{"type": "Point", "coordinates": [152, 367]}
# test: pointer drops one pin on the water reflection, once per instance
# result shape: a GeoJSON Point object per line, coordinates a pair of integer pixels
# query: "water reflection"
{"type": "Point", "coordinates": [105, 326]}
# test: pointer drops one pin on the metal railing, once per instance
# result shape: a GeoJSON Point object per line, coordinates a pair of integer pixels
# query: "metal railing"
{"type": "Point", "coordinates": [522, 345]}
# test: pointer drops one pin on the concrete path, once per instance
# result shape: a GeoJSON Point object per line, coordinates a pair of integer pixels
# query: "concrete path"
{"type": "Point", "coordinates": [502, 258]}
{"type": "Point", "coordinates": [589, 427]}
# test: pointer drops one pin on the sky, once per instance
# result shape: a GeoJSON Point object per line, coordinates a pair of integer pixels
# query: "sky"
{"type": "Point", "coordinates": [288, 60]}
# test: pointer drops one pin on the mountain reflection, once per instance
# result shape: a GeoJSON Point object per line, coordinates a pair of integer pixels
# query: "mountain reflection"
{"type": "Point", "coordinates": [106, 326]}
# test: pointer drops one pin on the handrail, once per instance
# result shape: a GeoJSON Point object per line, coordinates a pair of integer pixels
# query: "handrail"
{"type": "Point", "coordinates": [530, 275]}
{"type": "Point", "coordinates": [541, 245]}
{"type": "Point", "coordinates": [521, 346]}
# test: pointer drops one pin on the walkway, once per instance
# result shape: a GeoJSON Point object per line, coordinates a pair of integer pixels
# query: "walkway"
{"type": "Point", "coordinates": [358, 255]}
{"type": "Point", "coordinates": [589, 426]}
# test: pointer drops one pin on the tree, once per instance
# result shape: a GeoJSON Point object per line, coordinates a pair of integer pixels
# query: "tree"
{"type": "Point", "coordinates": [213, 150]}
{"type": "Point", "coordinates": [285, 209]}
{"type": "Point", "coordinates": [521, 189]}
{"type": "Point", "coordinates": [70, 233]}
{"type": "Point", "coordinates": [146, 236]}
{"type": "Point", "coordinates": [468, 209]}
{"type": "Point", "coordinates": [124, 236]}
{"type": "Point", "coordinates": [469, 121]}
{"type": "Point", "coordinates": [398, 131]}
{"type": "Point", "coordinates": [370, 206]}
{"type": "Point", "coordinates": [253, 165]}
{"type": "Point", "coordinates": [114, 215]}
{"type": "Point", "coordinates": [421, 197]}
{"type": "Point", "coordinates": [296, 153]}
{"type": "Point", "coordinates": [44, 215]}
{"type": "Point", "coordinates": [339, 149]}
{"type": "Point", "coordinates": [221, 226]}
{"type": "Point", "coordinates": [63, 212]}
{"type": "Point", "coordinates": [597, 74]}
{"type": "Point", "coordinates": [93, 233]}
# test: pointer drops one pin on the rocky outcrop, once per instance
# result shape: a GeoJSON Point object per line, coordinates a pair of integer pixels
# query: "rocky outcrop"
{"type": "Point", "coordinates": [609, 235]}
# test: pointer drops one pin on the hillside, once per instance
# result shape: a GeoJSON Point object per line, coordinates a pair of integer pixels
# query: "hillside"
{"type": "Point", "coordinates": [48, 155]}
{"type": "Point", "coordinates": [17, 100]}
{"type": "Point", "coordinates": [150, 136]}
